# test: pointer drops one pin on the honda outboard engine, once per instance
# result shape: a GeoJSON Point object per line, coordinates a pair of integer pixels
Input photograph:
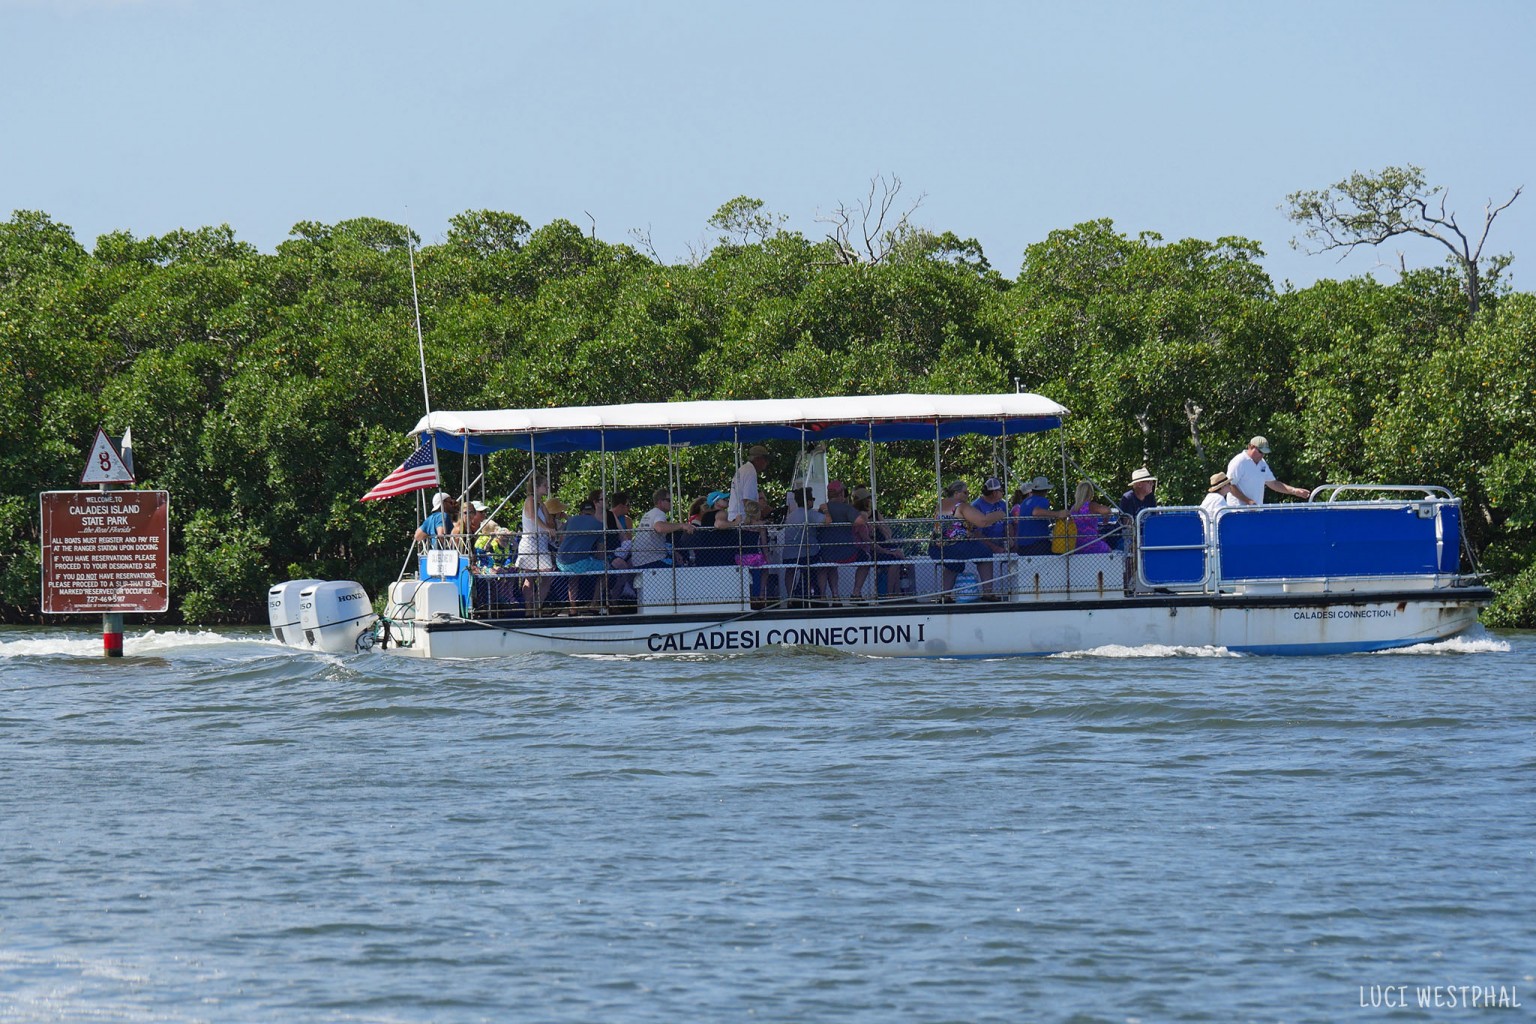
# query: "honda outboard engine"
{"type": "Point", "coordinates": [336, 617]}
{"type": "Point", "coordinates": [283, 611]}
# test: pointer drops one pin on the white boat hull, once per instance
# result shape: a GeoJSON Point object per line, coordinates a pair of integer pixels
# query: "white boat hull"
{"type": "Point", "coordinates": [1302, 624]}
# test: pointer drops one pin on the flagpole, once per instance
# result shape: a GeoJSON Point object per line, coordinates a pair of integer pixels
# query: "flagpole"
{"type": "Point", "coordinates": [421, 345]}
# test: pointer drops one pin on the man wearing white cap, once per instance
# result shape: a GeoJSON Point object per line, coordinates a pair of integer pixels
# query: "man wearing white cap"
{"type": "Point", "coordinates": [445, 510]}
{"type": "Point", "coordinates": [1250, 476]}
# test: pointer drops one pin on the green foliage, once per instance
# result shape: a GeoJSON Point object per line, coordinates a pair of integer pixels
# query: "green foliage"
{"type": "Point", "coordinates": [268, 391]}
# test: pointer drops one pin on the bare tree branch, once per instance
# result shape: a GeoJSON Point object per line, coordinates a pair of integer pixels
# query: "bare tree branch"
{"type": "Point", "coordinates": [1369, 209]}
{"type": "Point", "coordinates": [869, 217]}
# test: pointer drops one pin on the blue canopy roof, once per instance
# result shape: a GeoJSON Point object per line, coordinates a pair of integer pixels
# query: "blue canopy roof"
{"type": "Point", "coordinates": [881, 418]}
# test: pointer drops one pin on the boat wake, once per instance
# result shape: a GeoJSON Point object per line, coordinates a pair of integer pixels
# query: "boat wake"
{"type": "Point", "coordinates": [1148, 651]}
{"type": "Point", "coordinates": [1477, 642]}
{"type": "Point", "coordinates": [151, 642]}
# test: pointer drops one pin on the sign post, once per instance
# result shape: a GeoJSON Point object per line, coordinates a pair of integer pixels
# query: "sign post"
{"type": "Point", "coordinates": [106, 551]}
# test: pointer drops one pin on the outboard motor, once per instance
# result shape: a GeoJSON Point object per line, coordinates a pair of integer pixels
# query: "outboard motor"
{"type": "Point", "coordinates": [336, 617]}
{"type": "Point", "coordinates": [283, 611]}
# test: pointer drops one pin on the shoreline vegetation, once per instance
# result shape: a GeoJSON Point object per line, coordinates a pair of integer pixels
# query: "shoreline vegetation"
{"type": "Point", "coordinates": [268, 391]}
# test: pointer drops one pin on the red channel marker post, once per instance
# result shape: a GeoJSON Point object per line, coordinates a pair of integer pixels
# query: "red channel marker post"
{"type": "Point", "coordinates": [112, 622]}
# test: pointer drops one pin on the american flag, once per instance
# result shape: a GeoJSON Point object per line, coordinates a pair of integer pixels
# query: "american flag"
{"type": "Point", "coordinates": [414, 473]}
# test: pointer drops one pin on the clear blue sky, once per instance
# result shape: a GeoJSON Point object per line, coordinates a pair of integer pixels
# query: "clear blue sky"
{"type": "Point", "coordinates": [1012, 119]}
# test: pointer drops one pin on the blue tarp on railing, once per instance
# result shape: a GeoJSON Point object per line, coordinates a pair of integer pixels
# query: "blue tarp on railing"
{"type": "Point", "coordinates": [1173, 547]}
{"type": "Point", "coordinates": [1312, 541]}
{"type": "Point", "coordinates": [1315, 541]}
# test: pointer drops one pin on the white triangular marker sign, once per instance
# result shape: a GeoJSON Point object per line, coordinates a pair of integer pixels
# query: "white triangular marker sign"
{"type": "Point", "coordinates": [105, 466]}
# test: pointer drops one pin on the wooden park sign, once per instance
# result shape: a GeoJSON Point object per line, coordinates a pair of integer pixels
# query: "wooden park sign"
{"type": "Point", "coordinates": [106, 551]}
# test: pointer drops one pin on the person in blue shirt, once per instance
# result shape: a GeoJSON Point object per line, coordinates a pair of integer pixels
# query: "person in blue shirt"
{"type": "Point", "coordinates": [1031, 530]}
{"type": "Point", "coordinates": [582, 551]}
{"type": "Point", "coordinates": [995, 535]}
{"type": "Point", "coordinates": [1141, 495]}
{"type": "Point", "coordinates": [434, 530]}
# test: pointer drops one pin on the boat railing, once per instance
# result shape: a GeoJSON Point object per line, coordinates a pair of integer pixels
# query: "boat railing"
{"type": "Point", "coordinates": [759, 566]}
{"type": "Point", "coordinates": [1334, 492]}
{"type": "Point", "coordinates": [1319, 546]}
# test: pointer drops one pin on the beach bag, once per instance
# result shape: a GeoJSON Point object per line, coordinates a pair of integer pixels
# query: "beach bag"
{"type": "Point", "coordinates": [967, 588]}
{"type": "Point", "coordinates": [1063, 536]}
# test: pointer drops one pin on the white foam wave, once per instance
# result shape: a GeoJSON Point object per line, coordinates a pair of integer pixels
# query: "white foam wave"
{"type": "Point", "coordinates": [150, 642]}
{"type": "Point", "coordinates": [49, 989]}
{"type": "Point", "coordinates": [1464, 644]}
{"type": "Point", "coordinates": [1148, 651]}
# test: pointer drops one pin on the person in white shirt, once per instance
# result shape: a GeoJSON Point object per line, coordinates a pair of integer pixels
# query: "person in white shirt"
{"type": "Point", "coordinates": [1250, 476]}
{"type": "Point", "coordinates": [744, 483]}
{"type": "Point", "coordinates": [1218, 496]}
{"type": "Point", "coordinates": [649, 549]}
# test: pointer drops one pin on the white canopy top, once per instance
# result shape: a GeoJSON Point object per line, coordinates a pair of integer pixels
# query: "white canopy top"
{"type": "Point", "coordinates": [617, 427]}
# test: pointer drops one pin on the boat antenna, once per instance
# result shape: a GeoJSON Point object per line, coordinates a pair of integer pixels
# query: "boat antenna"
{"type": "Point", "coordinates": [421, 345]}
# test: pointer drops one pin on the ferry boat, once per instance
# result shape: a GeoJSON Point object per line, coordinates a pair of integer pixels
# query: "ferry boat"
{"type": "Point", "coordinates": [1354, 568]}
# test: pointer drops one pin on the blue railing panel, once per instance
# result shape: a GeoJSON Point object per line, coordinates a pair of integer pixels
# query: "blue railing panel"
{"type": "Point", "coordinates": [1310, 541]}
{"type": "Point", "coordinates": [1182, 530]}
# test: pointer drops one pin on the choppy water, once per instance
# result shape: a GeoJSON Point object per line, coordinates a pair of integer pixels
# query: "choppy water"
{"type": "Point", "coordinates": [216, 828]}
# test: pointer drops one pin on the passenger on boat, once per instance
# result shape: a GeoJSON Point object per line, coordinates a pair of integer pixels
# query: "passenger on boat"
{"type": "Point", "coordinates": [744, 483]}
{"type": "Point", "coordinates": [954, 544]}
{"type": "Point", "coordinates": [445, 510]}
{"type": "Point", "coordinates": [802, 546]}
{"type": "Point", "coordinates": [620, 538]}
{"type": "Point", "coordinates": [875, 544]}
{"type": "Point", "coordinates": [1218, 496]}
{"type": "Point", "coordinates": [652, 540]}
{"type": "Point", "coordinates": [712, 545]}
{"type": "Point", "coordinates": [1086, 516]}
{"type": "Point", "coordinates": [535, 545]}
{"type": "Point", "coordinates": [582, 552]}
{"type": "Point", "coordinates": [1031, 519]}
{"type": "Point", "coordinates": [715, 511]}
{"type": "Point", "coordinates": [752, 552]}
{"type": "Point", "coordinates": [1250, 475]}
{"type": "Point", "coordinates": [467, 526]}
{"type": "Point", "coordinates": [995, 537]}
{"type": "Point", "coordinates": [1142, 493]}
{"type": "Point", "coordinates": [493, 541]}
{"type": "Point", "coordinates": [1140, 496]}
{"type": "Point", "coordinates": [837, 535]}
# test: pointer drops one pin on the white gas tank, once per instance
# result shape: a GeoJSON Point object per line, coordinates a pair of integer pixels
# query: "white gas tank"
{"type": "Point", "coordinates": [336, 617]}
{"type": "Point", "coordinates": [402, 599]}
{"type": "Point", "coordinates": [283, 611]}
